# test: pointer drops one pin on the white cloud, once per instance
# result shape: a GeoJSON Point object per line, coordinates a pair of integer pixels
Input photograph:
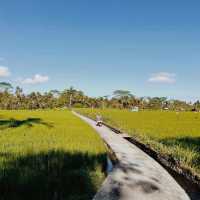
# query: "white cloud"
{"type": "Point", "coordinates": [36, 79]}
{"type": "Point", "coordinates": [163, 77]}
{"type": "Point", "coordinates": [4, 71]}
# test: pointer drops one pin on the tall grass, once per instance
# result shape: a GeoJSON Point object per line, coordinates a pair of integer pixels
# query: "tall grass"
{"type": "Point", "coordinates": [170, 133]}
{"type": "Point", "coordinates": [48, 155]}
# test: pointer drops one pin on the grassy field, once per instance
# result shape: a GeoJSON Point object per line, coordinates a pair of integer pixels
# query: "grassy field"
{"type": "Point", "coordinates": [171, 133]}
{"type": "Point", "coordinates": [48, 155]}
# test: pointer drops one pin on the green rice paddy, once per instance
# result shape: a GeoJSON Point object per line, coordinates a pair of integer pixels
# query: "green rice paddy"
{"type": "Point", "coordinates": [48, 155]}
{"type": "Point", "coordinates": [170, 133]}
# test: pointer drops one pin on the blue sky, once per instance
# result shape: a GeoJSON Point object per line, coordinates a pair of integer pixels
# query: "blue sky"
{"type": "Point", "coordinates": [149, 47]}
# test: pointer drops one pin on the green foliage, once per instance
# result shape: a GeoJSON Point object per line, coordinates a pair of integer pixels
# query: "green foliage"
{"type": "Point", "coordinates": [176, 134]}
{"type": "Point", "coordinates": [122, 93]}
{"type": "Point", "coordinates": [48, 155]}
{"type": "Point", "coordinates": [71, 97]}
{"type": "Point", "coordinates": [5, 86]}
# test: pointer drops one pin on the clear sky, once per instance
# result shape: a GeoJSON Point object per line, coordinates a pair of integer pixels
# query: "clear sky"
{"type": "Point", "coordinates": [151, 47]}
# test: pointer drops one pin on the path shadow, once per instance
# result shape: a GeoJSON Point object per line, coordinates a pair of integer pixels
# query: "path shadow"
{"type": "Point", "coordinates": [54, 175]}
{"type": "Point", "coordinates": [14, 123]}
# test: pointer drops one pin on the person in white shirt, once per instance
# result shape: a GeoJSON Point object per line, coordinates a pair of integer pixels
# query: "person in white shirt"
{"type": "Point", "coordinates": [99, 120]}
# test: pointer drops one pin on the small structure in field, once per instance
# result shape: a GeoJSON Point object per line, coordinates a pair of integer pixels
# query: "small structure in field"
{"type": "Point", "coordinates": [135, 109]}
{"type": "Point", "coordinates": [166, 108]}
{"type": "Point", "coordinates": [182, 109]}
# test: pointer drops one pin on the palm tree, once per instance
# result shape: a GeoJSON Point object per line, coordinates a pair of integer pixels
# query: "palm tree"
{"type": "Point", "coordinates": [5, 86]}
{"type": "Point", "coordinates": [122, 93]}
{"type": "Point", "coordinates": [72, 93]}
{"type": "Point", "coordinates": [55, 93]}
{"type": "Point", "coordinates": [124, 97]}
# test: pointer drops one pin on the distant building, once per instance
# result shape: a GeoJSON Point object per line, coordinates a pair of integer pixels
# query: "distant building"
{"type": "Point", "coordinates": [166, 108]}
{"type": "Point", "coordinates": [135, 109]}
{"type": "Point", "coordinates": [182, 109]}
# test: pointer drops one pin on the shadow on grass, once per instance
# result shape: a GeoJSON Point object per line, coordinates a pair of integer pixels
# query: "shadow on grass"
{"type": "Point", "coordinates": [190, 143]}
{"type": "Point", "coordinates": [14, 123]}
{"type": "Point", "coordinates": [55, 175]}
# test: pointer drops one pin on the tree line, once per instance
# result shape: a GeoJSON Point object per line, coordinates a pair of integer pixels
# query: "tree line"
{"type": "Point", "coordinates": [16, 99]}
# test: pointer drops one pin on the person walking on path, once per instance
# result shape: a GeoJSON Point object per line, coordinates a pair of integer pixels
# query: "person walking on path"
{"type": "Point", "coordinates": [99, 120]}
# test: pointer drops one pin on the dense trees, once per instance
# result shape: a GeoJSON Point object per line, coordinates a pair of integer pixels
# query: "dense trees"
{"type": "Point", "coordinates": [16, 99]}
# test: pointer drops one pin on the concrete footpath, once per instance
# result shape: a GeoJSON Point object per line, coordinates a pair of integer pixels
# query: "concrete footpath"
{"type": "Point", "coordinates": [136, 176]}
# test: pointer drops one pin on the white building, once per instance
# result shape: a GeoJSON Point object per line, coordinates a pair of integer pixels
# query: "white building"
{"type": "Point", "coordinates": [135, 109]}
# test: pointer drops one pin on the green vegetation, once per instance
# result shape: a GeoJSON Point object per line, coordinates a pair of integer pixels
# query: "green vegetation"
{"type": "Point", "coordinates": [175, 134]}
{"type": "Point", "coordinates": [48, 155]}
{"type": "Point", "coordinates": [16, 99]}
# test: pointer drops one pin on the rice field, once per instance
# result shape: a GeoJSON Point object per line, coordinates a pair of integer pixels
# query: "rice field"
{"type": "Point", "coordinates": [49, 155]}
{"type": "Point", "coordinates": [170, 133]}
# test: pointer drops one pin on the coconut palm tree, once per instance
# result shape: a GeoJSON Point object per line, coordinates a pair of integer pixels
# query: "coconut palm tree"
{"type": "Point", "coordinates": [124, 97]}
{"type": "Point", "coordinates": [122, 93]}
{"type": "Point", "coordinates": [5, 86]}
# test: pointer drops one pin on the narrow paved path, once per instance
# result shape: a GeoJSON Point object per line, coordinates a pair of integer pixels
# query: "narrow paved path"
{"type": "Point", "coordinates": [136, 176]}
